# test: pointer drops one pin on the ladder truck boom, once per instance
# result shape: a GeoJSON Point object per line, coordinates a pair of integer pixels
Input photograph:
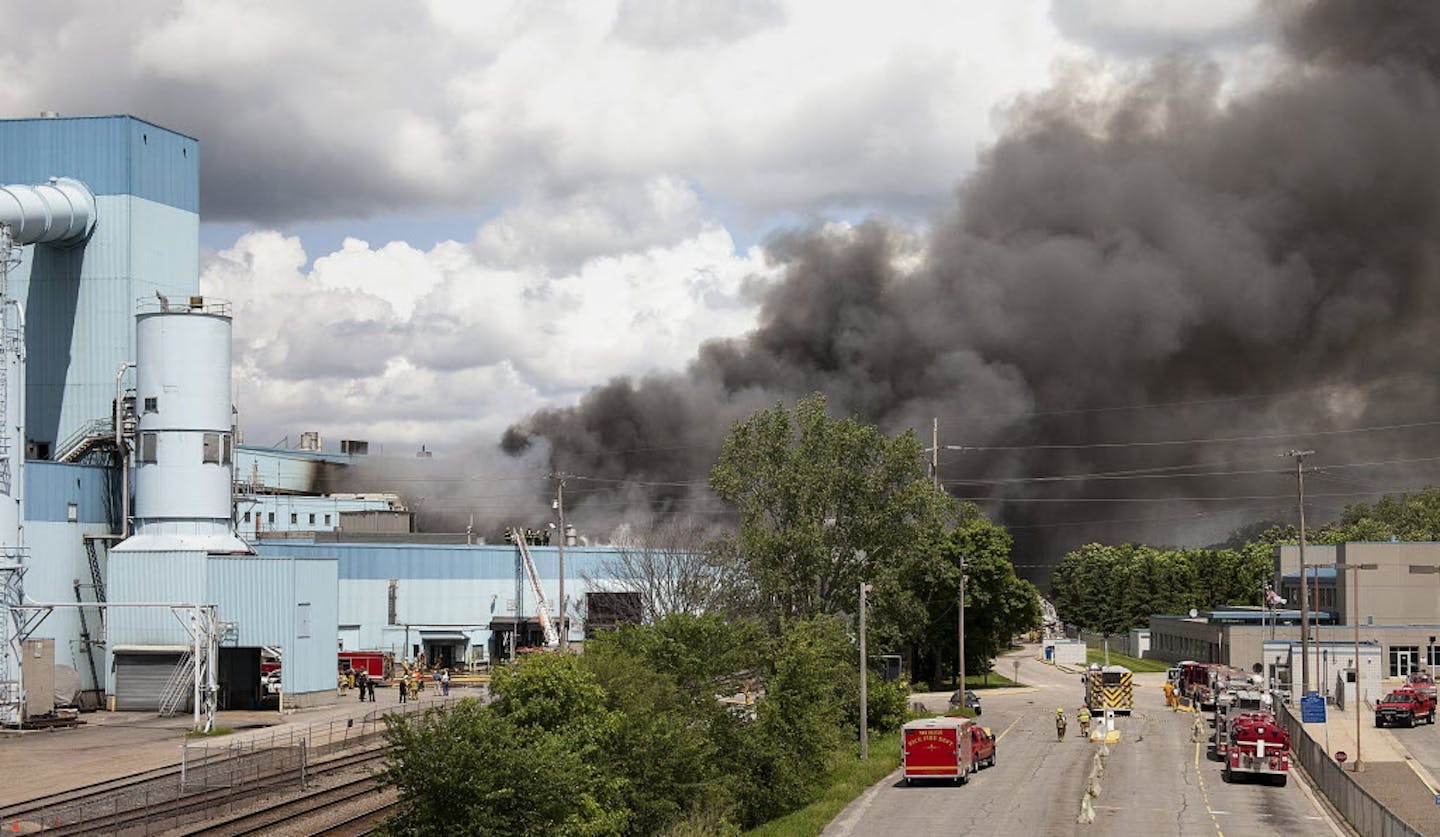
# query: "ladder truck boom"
{"type": "Point", "coordinates": [542, 610]}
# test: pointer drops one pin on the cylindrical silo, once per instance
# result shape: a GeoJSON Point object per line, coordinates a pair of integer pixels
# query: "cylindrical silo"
{"type": "Point", "coordinates": [183, 444]}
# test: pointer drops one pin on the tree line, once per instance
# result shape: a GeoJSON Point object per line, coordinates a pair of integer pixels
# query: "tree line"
{"type": "Point", "coordinates": [729, 703]}
{"type": "Point", "coordinates": [1112, 588]}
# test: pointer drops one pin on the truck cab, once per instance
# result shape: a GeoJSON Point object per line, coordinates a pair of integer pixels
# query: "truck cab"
{"type": "Point", "coordinates": [1405, 706]}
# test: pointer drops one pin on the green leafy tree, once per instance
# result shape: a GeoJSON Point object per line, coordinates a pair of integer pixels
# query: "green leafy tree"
{"type": "Point", "coordinates": [533, 763]}
{"type": "Point", "coordinates": [824, 503]}
{"type": "Point", "coordinates": [801, 721]}
{"type": "Point", "coordinates": [1411, 516]}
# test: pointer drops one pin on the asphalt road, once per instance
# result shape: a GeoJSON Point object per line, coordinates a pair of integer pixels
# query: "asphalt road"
{"type": "Point", "coordinates": [1155, 781]}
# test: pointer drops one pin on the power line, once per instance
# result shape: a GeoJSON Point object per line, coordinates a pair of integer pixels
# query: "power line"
{"type": "Point", "coordinates": [1259, 437]}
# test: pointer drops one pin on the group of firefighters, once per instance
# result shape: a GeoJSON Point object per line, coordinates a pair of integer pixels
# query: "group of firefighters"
{"type": "Point", "coordinates": [1082, 715]}
{"type": "Point", "coordinates": [411, 683]}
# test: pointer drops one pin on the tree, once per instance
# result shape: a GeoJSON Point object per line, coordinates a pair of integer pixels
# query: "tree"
{"type": "Point", "coordinates": [671, 570]}
{"type": "Point", "coordinates": [998, 604]}
{"type": "Point", "coordinates": [1404, 516]}
{"type": "Point", "coordinates": [531, 763]}
{"type": "Point", "coordinates": [824, 503]}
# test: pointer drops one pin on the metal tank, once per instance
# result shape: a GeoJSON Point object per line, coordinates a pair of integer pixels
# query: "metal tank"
{"type": "Point", "coordinates": [184, 446]}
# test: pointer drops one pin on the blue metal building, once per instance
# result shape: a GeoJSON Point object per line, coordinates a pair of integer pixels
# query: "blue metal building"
{"type": "Point", "coordinates": [80, 300]}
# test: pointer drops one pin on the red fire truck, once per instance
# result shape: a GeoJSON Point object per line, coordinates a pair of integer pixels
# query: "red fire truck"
{"type": "Point", "coordinates": [1258, 747]}
{"type": "Point", "coordinates": [938, 748]}
{"type": "Point", "coordinates": [377, 664]}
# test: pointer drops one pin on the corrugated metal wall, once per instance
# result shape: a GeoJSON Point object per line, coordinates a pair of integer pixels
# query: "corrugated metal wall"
{"type": "Point", "coordinates": [265, 595]}
{"type": "Point", "coordinates": [446, 585]}
{"type": "Point", "coordinates": [81, 303]}
{"type": "Point", "coordinates": [290, 513]}
{"type": "Point", "coordinates": [275, 470]}
{"type": "Point", "coordinates": [114, 155]}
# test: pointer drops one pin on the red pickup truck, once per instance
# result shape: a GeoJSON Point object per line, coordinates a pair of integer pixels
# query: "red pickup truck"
{"type": "Point", "coordinates": [1405, 706]}
{"type": "Point", "coordinates": [982, 748]}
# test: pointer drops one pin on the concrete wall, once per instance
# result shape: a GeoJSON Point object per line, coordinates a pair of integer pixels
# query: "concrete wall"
{"type": "Point", "coordinates": [1392, 594]}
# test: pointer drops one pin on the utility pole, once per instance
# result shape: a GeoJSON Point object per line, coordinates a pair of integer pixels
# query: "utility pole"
{"type": "Point", "coordinates": [935, 452]}
{"type": "Point", "coordinates": [560, 551]}
{"type": "Point", "coordinates": [1299, 456]}
{"type": "Point", "coordinates": [865, 587]}
{"type": "Point", "coordinates": [960, 677]}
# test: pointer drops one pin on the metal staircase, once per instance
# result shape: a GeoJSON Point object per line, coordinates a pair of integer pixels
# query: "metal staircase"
{"type": "Point", "coordinates": [542, 610]}
{"type": "Point", "coordinates": [89, 436]}
{"type": "Point", "coordinates": [179, 686]}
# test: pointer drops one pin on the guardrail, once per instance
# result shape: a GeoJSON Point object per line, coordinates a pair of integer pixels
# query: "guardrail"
{"type": "Point", "coordinates": [1364, 812]}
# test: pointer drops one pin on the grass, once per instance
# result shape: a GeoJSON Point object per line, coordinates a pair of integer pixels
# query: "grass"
{"type": "Point", "coordinates": [196, 733]}
{"type": "Point", "coordinates": [1097, 655]}
{"type": "Point", "coordinates": [993, 680]}
{"type": "Point", "coordinates": [845, 782]}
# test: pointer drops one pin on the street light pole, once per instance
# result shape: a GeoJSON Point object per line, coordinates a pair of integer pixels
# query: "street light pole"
{"type": "Point", "coordinates": [1355, 620]}
{"type": "Point", "coordinates": [865, 587]}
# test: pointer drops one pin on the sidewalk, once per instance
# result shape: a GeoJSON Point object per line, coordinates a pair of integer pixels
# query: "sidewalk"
{"type": "Point", "coordinates": [1386, 770]}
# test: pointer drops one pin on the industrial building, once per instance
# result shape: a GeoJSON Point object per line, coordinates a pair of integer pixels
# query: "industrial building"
{"type": "Point", "coordinates": [1389, 591]}
{"type": "Point", "coordinates": [167, 561]}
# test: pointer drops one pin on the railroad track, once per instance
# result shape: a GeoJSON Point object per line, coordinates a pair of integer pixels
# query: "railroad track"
{"type": "Point", "coordinates": [313, 805]}
{"type": "Point", "coordinates": [155, 776]}
{"type": "Point", "coordinates": [175, 810]}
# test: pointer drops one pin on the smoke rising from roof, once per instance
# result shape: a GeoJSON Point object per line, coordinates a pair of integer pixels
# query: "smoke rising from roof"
{"type": "Point", "coordinates": [1263, 264]}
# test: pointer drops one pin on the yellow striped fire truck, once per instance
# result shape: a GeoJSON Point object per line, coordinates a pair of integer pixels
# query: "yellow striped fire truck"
{"type": "Point", "coordinates": [1109, 687]}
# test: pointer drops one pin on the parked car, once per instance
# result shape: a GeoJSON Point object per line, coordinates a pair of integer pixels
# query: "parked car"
{"type": "Point", "coordinates": [970, 701]}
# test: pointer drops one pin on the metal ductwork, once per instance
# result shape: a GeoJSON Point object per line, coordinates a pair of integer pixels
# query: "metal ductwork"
{"type": "Point", "coordinates": [60, 212]}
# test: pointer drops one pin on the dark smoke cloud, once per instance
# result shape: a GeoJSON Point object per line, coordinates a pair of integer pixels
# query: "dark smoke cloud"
{"type": "Point", "coordinates": [1265, 264]}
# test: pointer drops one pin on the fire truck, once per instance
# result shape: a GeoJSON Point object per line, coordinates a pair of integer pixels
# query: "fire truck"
{"type": "Point", "coordinates": [939, 748]}
{"type": "Point", "coordinates": [1257, 746]}
{"type": "Point", "coordinates": [1111, 687]}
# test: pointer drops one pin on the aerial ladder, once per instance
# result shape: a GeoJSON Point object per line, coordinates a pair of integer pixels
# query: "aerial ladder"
{"type": "Point", "coordinates": [542, 610]}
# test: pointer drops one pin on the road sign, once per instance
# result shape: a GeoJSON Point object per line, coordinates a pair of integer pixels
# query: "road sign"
{"type": "Point", "coordinates": [1340, 756]}
{"type": "Point", "coordinates": [1312, 708]}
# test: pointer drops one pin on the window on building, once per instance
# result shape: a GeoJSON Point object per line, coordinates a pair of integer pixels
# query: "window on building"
{"type": "Point", "coordinates": [312, 520]}
{"type": "Point", "coordinates": [148, 444]}
{"type": "Point", "coordinates": [247, 517]}
{"type": "Point", "coordinates": [152, 405]}
{"type": "Point", "coordinates": [294, 518]}
{"type": "Point", "coordinates": [211, 453]}
{"type": "Point", "coordinates": [1404, 659]}
{"type": "Point", "coordinates": [227, 446]}
{"type": "Point", "coordinates": [302, 620]}
{"type": "Point", "coordinates": [272, 518]}
{"type": "Point", "coordinates": [1432, 654]}
{"type": "Point", "coordinates": [327, 520]}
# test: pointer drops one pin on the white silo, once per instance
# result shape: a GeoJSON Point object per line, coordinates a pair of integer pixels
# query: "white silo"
{"type": "Point", "coordinates": [183, 445]}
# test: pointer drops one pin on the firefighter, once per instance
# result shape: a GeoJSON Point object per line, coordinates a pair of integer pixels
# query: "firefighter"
{"type": "Point", "coordinates": [1060, 723]}
{"type": "Point", "coordinates": [1083, 716]}
{"type": "Point", "coordinates": [1169, 694]}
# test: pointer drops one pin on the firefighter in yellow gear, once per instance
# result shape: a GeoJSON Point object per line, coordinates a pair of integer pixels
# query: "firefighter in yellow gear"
{"type": "Point", "coordinates": [1083, 716]}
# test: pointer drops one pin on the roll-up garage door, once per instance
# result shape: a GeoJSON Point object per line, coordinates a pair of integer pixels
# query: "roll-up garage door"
{"type": "Point", "coordinates": [140, 677]}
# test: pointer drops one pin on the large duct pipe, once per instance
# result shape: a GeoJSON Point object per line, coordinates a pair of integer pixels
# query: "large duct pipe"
{"type": "Point", "coordinates": [60, 212]}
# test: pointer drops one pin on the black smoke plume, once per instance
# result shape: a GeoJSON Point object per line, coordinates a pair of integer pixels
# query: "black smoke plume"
{"type": "Point", "coordinates": [1149, 260]}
